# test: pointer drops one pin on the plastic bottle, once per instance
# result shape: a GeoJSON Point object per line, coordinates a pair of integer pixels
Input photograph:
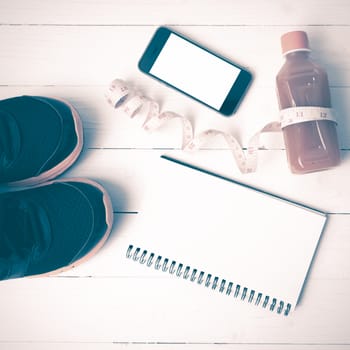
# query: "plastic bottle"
{"type": "Point", "coordinates": [308, 124]}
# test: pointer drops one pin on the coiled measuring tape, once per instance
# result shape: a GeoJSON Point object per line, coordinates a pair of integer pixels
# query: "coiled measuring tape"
{"type": "Point", "coordinates": [121, 96]}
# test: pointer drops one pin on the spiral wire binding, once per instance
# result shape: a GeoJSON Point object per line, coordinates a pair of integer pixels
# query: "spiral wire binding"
{"type": "Point", "coordinates": [206, 279]}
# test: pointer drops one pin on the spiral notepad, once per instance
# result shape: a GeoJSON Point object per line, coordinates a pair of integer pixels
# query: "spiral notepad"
{"type": "Point", "coordinates": [229, 237]}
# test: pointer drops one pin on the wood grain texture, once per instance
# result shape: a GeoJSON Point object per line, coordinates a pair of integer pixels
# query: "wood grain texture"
{"type": "Point", "coordinates": [158, 12]}
{"type": "Point", "coordinates": [72, 50]}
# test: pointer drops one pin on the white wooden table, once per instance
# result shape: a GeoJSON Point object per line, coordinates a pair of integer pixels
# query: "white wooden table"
{"type": "Point", "coordinates": [73, 49]}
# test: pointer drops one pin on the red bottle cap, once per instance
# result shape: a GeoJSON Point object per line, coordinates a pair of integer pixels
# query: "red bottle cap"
{"type": "Point", "coordinates": [294, 41]}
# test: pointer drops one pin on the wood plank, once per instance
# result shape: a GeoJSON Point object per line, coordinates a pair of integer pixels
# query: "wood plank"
{"type": "Point", "coordinates": [330, 263]}
{"type": "Point", "coordinates": [328, 282]}
{"type": "Point", "coordinates": [165, 346]}
{"type": "Point", "coordinates": [116, 300]}
{"type": "Point", "coordinates": [105, 127]}
{"type": "Point", "coordinates": [127, 173]}
{"type": "Point", "coordinates": [175, 12]}
{"type": "Point", "coordinates": [85, 55]}
{"type": "Point", "coordinates": [73, 49]}
{"type": "Point", "coordinates": [137, 310]}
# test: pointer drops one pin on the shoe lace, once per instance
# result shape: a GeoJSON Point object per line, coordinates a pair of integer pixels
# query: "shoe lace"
{"type": "Point", "coordinates": [25, 236]}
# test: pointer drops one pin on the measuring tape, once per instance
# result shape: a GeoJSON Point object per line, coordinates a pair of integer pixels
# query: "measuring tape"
{"type": "Point", "coordinates": [296, 115]}
{"type": "Point", "coordinates": [119, 95]}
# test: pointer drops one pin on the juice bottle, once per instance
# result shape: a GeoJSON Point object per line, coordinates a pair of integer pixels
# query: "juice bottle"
{"type": "Point", "coordinates": [308, 124]}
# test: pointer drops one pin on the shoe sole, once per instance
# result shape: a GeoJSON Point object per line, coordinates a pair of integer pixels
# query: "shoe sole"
{"type": "Point", "coordinates": [66, 163]}
{"type": "Point", "coordinates": [109, 220]}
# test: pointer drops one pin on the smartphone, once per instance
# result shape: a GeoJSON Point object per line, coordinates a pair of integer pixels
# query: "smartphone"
{"type": "Point", "coordinates": [195, 71]}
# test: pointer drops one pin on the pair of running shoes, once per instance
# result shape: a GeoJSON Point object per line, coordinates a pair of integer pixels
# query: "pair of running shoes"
{"type": "Point", "coordinates": [47, 225]}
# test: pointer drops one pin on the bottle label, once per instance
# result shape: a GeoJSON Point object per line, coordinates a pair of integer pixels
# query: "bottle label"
{"type": "Point", "coordinates": [296, 115]}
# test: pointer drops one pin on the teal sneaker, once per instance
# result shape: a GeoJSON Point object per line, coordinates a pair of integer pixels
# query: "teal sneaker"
{"type": "Point", "coordinates": [52, 227]}
{"type": "Point", "coordinates": [40, 138]}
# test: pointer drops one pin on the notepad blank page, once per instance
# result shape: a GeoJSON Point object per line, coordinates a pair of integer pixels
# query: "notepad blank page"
{"type": "Point", "coordinates": [257, 241]}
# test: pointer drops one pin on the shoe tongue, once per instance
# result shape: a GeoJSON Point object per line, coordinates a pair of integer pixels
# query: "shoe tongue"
{"type": "Point", "coordinates": [10, 140]}
{"type": "Point", "coordinates": [25, 236]}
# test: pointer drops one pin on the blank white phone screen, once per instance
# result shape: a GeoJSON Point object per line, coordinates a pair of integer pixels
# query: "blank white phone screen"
{"type": "Point", "coordinates": [195, 71]}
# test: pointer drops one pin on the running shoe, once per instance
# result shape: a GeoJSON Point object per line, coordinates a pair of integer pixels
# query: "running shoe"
{"type": "Point", "coordinates": [52, 227]}
{"type": "Point", "coordinates": [40, 138]}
